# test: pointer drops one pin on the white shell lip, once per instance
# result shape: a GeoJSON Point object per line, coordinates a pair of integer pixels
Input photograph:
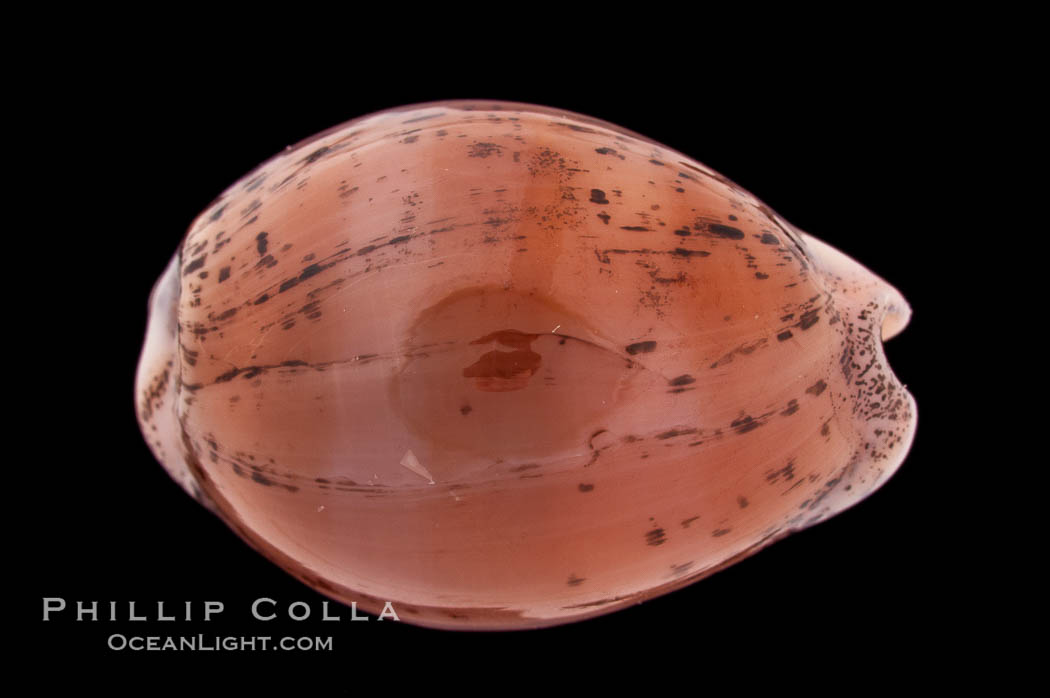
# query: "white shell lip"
{"type": "Point", "coordinates": [853, 284]}
{"type": "Point", "coordinates": [155, 401]}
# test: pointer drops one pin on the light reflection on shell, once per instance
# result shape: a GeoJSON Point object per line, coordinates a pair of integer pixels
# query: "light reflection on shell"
{"type": "Point", "coordinates": [507, 367]}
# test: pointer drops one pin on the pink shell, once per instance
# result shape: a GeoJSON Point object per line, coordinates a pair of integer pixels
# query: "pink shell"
{"type": "Point", "coordinates": [506, 366]}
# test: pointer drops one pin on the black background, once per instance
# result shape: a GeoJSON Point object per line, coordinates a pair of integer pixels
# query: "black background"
{"type": "Point", "coordinates": [850, 145]}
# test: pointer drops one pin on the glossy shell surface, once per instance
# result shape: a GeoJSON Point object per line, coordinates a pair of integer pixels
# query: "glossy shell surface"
{"type": "Point", "coordinates": [505, 366]}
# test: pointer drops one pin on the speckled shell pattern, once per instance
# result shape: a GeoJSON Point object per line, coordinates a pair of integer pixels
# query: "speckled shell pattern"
{"type": "Point", "coordinates": [505, 366]}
